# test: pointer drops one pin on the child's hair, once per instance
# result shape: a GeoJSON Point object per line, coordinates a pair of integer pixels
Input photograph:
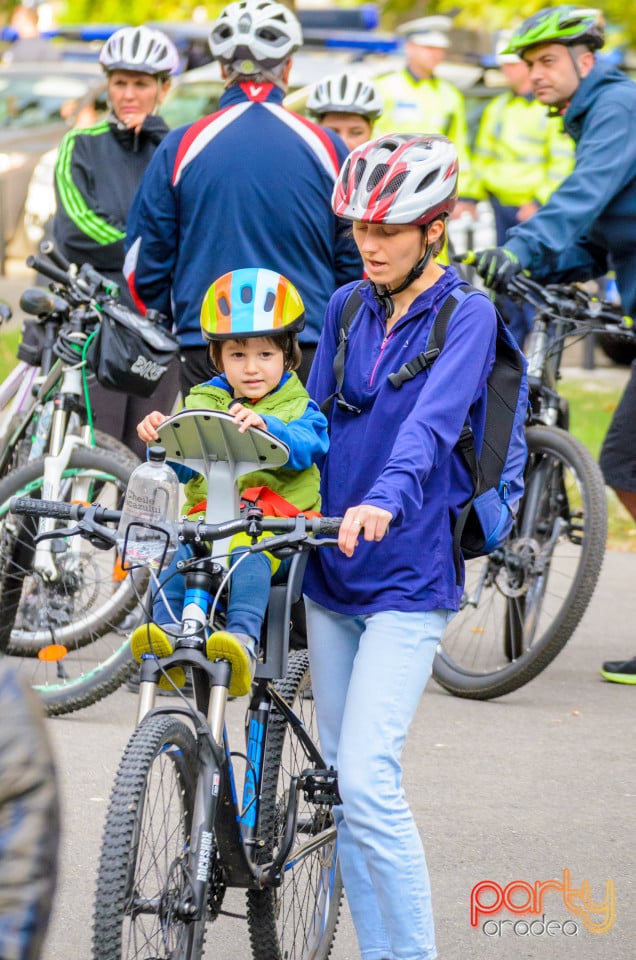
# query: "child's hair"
{"type": "Point", "coordinates": [287, 342]}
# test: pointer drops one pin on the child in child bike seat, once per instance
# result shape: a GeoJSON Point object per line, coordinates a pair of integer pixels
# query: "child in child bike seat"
{"type": "Point", "coordinates": [251, 318]}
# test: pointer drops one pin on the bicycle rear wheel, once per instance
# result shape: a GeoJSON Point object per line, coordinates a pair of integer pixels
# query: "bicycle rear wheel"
{"type": "Point", "coordinates": [522, 604]}
{"type": "Point", "coordinates": [141, 881]}
{"type": "Point", "coordinates": [298, 919]}
{"type": "Point", "coordinates": [63, 633]}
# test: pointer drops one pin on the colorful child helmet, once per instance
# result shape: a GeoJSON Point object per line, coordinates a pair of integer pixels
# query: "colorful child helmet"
{"type": "Point", "coordinates": [398, 178]}
{"type": "Point", "coordinates": [345, 93]}
{"type": "Point", "coordinates": [141, 50]}
{"type": "Point", "coordinates": [252, 302]}
{"type": "Point", "coordinates": [567, 24]}
{"type": "Point", "coordinates": [251, 35]}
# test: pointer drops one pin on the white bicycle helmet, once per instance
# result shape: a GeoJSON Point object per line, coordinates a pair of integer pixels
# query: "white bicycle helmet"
{"type": "Point", "coordinates": [345, 93]}
{"type": "Point", "coordinates": [140, 49]}
{"type": "Point", "coordinates": [252, 35]}
{"type": "Point", "coordinates": [398, 178]}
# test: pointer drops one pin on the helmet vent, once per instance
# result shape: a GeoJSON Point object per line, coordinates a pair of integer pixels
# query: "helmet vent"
{"type": "Point", "coordinates": [223, 305]}
{"type": "Point", "coordinates": [361, 166]}
{"type": "Point", "coordinates": [427, 180]}
{"type": "Point", "coordinates": [394, 185]}
{"type": "Point", "coordinates": [377, 175]}
{"type": "Point", "coordinates": [270, 300]}
{"type": "Point", "coordinates": [246, 294]}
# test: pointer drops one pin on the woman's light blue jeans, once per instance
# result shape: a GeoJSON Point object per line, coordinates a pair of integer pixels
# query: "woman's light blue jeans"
{"type": "Point", "coordinates": [367, 675]}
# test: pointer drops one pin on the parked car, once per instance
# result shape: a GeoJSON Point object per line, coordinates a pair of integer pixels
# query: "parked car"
{"type": "Point", "coordinates": [38, 104]}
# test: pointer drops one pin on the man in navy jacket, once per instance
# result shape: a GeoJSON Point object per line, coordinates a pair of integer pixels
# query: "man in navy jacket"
{"type": "Point", "coordinates": [248, 186]}
{"type": "Point", "coordinates": [589, 223]}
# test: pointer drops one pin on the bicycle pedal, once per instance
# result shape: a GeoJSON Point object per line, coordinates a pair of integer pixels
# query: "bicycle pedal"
{"type": "Point", "coordinates": [321, 787]}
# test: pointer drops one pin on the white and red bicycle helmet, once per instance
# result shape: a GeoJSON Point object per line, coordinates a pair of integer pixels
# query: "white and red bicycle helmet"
{"type": "Point", "coordinates": [398, 178]}
{"type": "Point", "coordinates": [141, 50]}
{"type": "Point", "coordinates": [251, 35]}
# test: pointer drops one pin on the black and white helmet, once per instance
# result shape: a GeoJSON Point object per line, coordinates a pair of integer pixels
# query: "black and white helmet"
{"type": "Point", "coordinates": [345, 93]}
{"type": "Point", "coordinates": [252, 35]}
{"type": "Point", "coordinates": [140, 49]}
{"type": "Point", "coordinates": [398, 178]}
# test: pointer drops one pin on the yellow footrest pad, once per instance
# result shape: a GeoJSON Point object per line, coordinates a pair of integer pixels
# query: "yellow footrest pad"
{"type": "Point", "coordinates": [149, 638]}
{"type": "Point", "coordinates": [226, 646]}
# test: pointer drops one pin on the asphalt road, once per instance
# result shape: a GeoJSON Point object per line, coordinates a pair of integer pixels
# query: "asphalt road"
{"type": "Point", "coordinates": [516, 790]}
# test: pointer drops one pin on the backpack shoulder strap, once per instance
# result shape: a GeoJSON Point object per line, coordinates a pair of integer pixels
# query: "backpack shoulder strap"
{"type": "Point", "coordinates": [436, 338]}
{"type": "Point", "coordinates": [351, 306]}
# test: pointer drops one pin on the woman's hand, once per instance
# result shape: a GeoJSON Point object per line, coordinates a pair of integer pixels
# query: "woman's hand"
{"type": "Point", "coordinates": [246, 418]}
{"type": "Point", "coordinates": [146, 430]}
{"type": "Point", "coordinates": [372, 522]}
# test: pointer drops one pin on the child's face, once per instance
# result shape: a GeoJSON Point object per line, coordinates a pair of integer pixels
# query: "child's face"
{"type": "Point", "coordinates": [252, 368]}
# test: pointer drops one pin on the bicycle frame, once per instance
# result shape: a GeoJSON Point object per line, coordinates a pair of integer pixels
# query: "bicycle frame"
{"type": "Point", "coordinates": [210, 442]}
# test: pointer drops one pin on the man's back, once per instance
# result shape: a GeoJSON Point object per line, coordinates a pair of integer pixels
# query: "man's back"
{"type": "Point", "coordinates": [248, 186]}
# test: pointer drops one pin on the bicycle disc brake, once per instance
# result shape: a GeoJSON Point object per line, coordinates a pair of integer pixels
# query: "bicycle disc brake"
{"type": "Point", "coordinates": [513, 579]}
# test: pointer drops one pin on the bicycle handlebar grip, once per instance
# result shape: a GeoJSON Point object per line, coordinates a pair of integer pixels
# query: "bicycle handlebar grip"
{"type": "Point", "coordinates": [327, 525]}
{"type": "Point", "coordinates": [44, 508]}
{"type": "Point", "coordinates": [48, 269]}
{"type": "Point", "coordinates": [48, 249]}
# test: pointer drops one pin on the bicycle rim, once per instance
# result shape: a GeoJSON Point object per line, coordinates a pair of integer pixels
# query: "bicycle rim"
{"type": "Point", "coordinates": [298, 919]}
{"type": "Point", "coordinates": [65, 635]}
{"type": "Point", "coordinates": [141, 876]}
{"type": "Point", "coordinates": [522, 604]}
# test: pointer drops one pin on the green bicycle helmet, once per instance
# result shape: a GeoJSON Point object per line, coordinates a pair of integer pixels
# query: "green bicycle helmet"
{"type": "Point", "coordinates": [567, 24]}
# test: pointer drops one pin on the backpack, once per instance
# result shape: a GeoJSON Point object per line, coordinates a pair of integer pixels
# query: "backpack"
{"type": "Point", "coordinates": [487, 517]}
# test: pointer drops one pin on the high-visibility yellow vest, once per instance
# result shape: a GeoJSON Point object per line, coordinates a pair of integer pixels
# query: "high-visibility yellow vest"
{"type": "Point", "coordinates": [520, 153]}
{"type": "Point", "coordinates": [431, 105]}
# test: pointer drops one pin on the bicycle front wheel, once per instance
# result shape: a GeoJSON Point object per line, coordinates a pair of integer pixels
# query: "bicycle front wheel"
{"type": "Point", "coordinates": [141, 880]}
{"type": "Point", "coordinates": [522, 604]}
{"type": "Point", "coordinates": [298, 919]}
{"type": "Point", "coordinates": [62, 629]}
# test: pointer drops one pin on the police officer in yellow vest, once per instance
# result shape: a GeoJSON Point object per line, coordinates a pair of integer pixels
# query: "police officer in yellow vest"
{"type": "Point", "coordinates": [520, 157]}
{"type": "Point", "coordinates": [416, 101]}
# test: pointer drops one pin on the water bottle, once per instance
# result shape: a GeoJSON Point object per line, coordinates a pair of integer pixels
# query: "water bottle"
{"type": "Point", "coordinates": [152, 501]}
{"type": "Point", "coordinates": [41, 437]}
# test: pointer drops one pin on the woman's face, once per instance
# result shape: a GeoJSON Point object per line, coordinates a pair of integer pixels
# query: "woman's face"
{"type": "Point", "coordinates": [350, 127]}
{"type": "Point", "coordinates": [389, 251]}
{"type": "Point", "coordinates": [134, 95]}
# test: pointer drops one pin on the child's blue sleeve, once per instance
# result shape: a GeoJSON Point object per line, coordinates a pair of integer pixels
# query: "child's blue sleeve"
{"type": "Point", "coordinates": [306, 437]}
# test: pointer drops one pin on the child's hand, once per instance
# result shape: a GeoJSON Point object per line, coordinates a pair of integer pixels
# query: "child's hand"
{"type": "Point", "coordinates": [246, 418]}
{"type": "Point", "coordinates": [147, 429]}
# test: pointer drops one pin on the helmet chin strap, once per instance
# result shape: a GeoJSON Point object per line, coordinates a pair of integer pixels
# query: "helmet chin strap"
{"type": "Point", "coordinates": [384, 295]}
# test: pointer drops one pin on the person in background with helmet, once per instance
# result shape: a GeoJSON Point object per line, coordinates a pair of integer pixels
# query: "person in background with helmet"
{"type": "Point", "coordinates": [97, 174]}
{"type": "Point", "coordinates": [520, 157]}
{"type": "Point", "coordinates": [249, 184]}
{"type": "Point", "coordinates": [588, 226]}
{"type": "Point", "coordinates": [346, 104]}
{"type": "Point", "coordinates": [251, 319]}
{"type": "Point", "coordinates": [377, 608]}
{"type": "Point", "coordinates": [415, 99]}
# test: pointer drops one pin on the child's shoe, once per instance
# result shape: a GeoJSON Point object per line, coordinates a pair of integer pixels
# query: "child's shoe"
{"type": "Point", "coordinates": [149, 638]}
{"type": "Point", "coordinates": [238, 648]}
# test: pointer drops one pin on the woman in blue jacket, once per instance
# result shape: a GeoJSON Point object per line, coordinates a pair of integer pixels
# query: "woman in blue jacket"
{"type": "Point", "coordinates": [377, 608]}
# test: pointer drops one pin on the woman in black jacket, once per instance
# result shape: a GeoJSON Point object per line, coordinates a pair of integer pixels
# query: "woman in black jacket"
{"type": "Point", "coordinates": [96, 177]}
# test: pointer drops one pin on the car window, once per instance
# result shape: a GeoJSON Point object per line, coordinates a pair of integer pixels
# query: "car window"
{"type": "Point", "coordinates": [189, 101]}
{"type": "Point", "coordinates": [34, 101]}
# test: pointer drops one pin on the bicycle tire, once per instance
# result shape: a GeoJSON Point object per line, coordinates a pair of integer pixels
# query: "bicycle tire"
{"type": "Point", "coordinates": [299, 918]}
{"type": "Point", "coordinates": [145, 842]}
{"type": "Point", "coordinates": [82, 611]}
{"type": "Point", "coordinates": [522, 604]}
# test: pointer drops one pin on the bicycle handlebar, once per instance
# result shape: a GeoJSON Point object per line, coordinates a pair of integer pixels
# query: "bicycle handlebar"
{"type": "Point", "coordinates": [189, 530]}
{"type": "Point", "coordinates": [571, 302]}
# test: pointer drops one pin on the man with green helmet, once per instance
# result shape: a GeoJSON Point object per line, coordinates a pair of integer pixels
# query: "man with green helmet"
{"type": "Point", "coordinates": [589, 223]}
